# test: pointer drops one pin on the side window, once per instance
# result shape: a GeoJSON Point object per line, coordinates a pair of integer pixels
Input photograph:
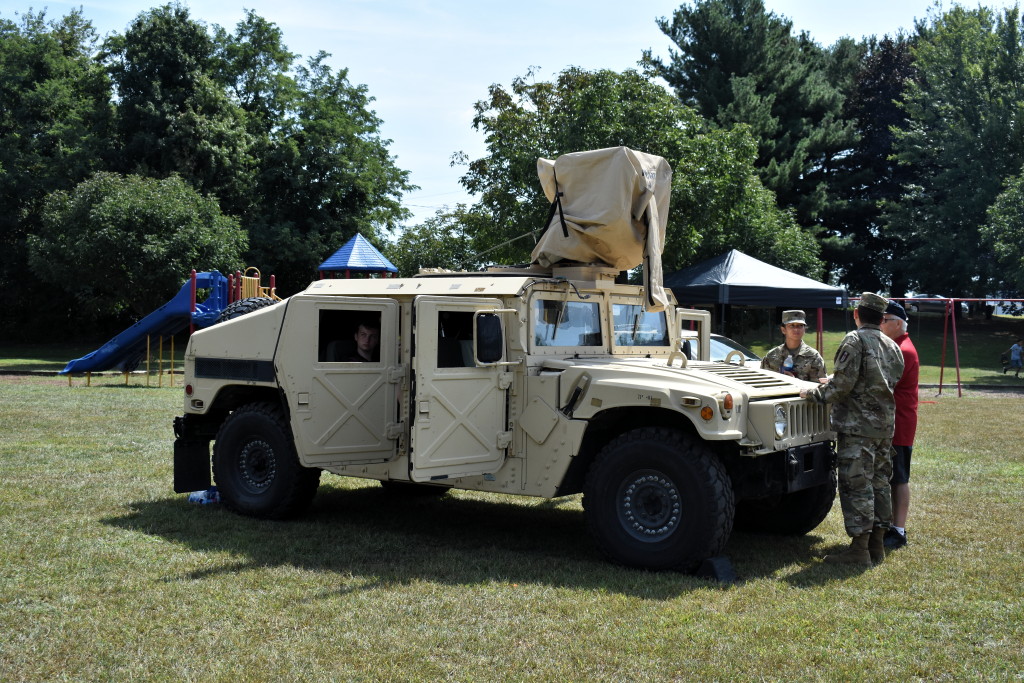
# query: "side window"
{"type": "Point", "coordinates": [348, 336]}
{"type": "Point", "coordinates": [566, 323]}
{"type": "Point", "coordinates": [636, 327]}
{"type": "Point", "coordinates": [455, 339]}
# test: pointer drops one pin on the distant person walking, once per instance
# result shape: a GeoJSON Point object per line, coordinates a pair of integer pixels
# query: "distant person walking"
{"type": "Point", "coordinates": [793, 357]}
{"type": "Point", "coordinates": [894, 326]}
{"type": "Point", "coordinates": [1016, 358]}
{"type": "Point", "coordinates": [867, 366]}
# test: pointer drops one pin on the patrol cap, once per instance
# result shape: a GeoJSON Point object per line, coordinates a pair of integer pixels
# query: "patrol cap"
{"type": "Point", "coordinates": [873, 301]}
{"type": "Point", "coordinates": [894, 308]}
{"type": "Point", "coordinates": [795, 316]}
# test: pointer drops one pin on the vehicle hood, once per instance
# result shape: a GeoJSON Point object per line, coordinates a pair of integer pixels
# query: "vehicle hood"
{"type": "Point", "coordinates": [712, 377]}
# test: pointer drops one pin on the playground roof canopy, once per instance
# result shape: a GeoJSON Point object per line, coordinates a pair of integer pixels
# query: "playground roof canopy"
{"type": "Point", "coordinates": [735, 278]}
{"type": "Point", "coordinates": [358, 255]}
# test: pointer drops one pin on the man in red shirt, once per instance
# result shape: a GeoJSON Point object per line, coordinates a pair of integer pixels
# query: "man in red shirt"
{"type": "Point", "coordinates": [894, 326]}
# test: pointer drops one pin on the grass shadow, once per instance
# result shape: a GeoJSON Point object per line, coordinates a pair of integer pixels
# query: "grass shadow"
{"type": "Point", "coordinates": [451, 540]}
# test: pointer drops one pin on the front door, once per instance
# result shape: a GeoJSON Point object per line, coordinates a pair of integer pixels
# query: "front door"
{"type": "Point", "coordinates": [459, 416]}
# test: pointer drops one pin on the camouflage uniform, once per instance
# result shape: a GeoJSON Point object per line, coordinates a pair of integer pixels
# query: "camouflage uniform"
{"type": "Point", "coordinates": [867, 366]}
{"type": "Point", "coordinates": [808, 364]}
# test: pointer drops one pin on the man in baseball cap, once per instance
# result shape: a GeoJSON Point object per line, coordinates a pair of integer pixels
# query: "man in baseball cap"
{"type": "Point", "coordinates": [894, 326]}
{"type": "Point", "coordinates": [867, 366]}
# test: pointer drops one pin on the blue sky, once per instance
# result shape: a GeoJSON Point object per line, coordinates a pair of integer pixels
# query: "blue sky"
{"type": "Point", "coordinates": [427, 62]}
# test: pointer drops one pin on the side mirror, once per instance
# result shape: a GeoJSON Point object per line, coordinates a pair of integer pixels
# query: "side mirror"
{"type": "Point", "coordinates": [490, 342]}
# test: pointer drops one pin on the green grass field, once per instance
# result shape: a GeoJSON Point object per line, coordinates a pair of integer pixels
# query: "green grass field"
{"type": "Point", "coordinates": [106, 574]}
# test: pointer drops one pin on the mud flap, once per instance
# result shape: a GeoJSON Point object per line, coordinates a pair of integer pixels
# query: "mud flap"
{"type": "Point", "coordinates": [191, 465]}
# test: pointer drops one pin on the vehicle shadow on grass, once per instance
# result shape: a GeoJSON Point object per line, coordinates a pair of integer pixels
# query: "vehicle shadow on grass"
{"type": "Point", "coordinates": [453, 540]}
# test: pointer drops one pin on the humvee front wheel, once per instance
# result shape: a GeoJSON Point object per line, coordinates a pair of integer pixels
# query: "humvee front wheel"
{"type": "Point", "coordinates": [255, 465]}
{"type": "Point", "coordinates": [658, 499]}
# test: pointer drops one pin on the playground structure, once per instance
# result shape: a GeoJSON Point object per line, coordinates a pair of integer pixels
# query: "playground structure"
{"type": "Point", "coordinates": [949, 333]}
{"type": "Point", "coordinates": [126, 351]}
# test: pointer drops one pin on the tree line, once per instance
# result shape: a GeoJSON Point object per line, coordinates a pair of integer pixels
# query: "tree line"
{"type": "Point", "coordinates": [889, 164]}
{"type": "Point", "coordinates": [128, 161]}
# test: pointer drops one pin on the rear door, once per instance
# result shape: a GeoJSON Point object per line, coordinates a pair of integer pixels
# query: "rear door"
{"type": "Point", "coordinates": [343, 410]}
{"type": "Point", "coordinates": [459, 410]}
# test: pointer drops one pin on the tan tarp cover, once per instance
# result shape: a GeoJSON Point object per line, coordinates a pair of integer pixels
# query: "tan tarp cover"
{"type": "Point", "coordinates": [615, 204]}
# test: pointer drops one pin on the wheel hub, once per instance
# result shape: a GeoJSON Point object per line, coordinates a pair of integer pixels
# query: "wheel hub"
{"type": "Point", "coordinates": [257, 464]}
{"type": "Point", "coordinates": [649, 506]}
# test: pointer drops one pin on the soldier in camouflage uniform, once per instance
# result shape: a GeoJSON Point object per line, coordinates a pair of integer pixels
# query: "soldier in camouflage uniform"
{"type": "Point", "coordinates": [867, 366]}
{"type": "Point", "coordinates": [807, 362]}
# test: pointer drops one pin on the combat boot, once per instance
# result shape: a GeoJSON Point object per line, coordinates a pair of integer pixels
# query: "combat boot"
{"type": "Point", "coordinates": [876, 545]}
{"type": "Point", "coordinates": [857, 553]}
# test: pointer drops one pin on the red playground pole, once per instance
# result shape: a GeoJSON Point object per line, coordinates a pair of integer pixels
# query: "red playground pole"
{"type": "Point", "coordinates": [951, 308]}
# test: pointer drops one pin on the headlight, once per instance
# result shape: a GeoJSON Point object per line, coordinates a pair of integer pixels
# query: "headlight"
{"type": "Point", "coordinates": [781, 422]}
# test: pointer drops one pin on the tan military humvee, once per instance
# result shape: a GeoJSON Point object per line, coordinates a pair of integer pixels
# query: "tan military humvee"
{"type": "Point", "coordinates": [539, 381]}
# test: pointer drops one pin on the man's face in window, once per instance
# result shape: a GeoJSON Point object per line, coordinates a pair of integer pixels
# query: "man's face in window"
{"type": "Point", "coordinates": [367, 340]}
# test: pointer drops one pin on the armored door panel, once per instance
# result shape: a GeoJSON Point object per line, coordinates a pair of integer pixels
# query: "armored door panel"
{"type": "Point", "coordinates": [344, 409]}
{"type": "Point", "coordinates": [459, 424]}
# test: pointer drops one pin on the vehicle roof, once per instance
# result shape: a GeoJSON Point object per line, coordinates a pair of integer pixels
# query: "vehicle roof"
{"type": "Point", "coordinates": [464, 284]}
{"type": "Point", "coordinates": [483, 284]}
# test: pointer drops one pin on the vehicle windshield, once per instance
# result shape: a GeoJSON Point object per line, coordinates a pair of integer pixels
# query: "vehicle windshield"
{"type": "Point", "coordinates": [566, 323]}
{"type": "Point", "coordinates": [636, 327]}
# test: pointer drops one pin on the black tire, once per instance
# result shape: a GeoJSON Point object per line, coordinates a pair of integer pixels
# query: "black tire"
{"type": "Point", "coordinates": [412, 489]}
{"type": "Point", "coordinates": [255, 465]}
{"type": "Point", "coordinates": [236, 309]}
{"type": "Point", "coordinates": [792, 514]}
{"type": "Point", "coordinates": [658, 499]}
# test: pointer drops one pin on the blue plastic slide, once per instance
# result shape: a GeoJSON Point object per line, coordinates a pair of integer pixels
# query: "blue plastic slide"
{"type": "Point", "coordinates": [124, 351]}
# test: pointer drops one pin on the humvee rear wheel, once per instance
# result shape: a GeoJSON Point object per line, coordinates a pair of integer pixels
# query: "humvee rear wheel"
{"type": "Point", "coordinates": [792, 514]}
{"type": "Point", "coordinates": [255, 465]}
{"type": "Point", "coordinates": [658, 499]}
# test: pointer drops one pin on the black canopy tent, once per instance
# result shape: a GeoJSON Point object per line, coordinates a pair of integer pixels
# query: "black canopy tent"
{"type": "Point", "coordinates": [737, 279]}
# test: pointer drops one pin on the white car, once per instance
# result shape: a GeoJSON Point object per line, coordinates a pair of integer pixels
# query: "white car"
{"type": "Point", "coordinates": [930, 306]}
{"type": "Point", "coordinates": [722, 347]}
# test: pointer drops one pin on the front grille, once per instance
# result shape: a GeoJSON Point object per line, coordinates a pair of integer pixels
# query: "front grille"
{"type": "Point", "coordinates": [808, 419]}
{"type": "Point", "coordinates": [235, 369]}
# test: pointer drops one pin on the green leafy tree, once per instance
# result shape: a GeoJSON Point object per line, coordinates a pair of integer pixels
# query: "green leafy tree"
{"type": "Point", "coordinates": [55, 117]}
{"type": "Point", "coordinates": [854, 241]}
{"type": "Point", "coordinates": [255, 66]}
{"type": "Point", "coordinates": [717, 202]}
{"type": "Point", "coordinates": [118, 244]}
{"type": "Point", "coordinates": [173, 114]}
{"type": "Point", "coordinates": [442, 241]}
{"type": "Point", "coordinates": [966, 135]}
{"type": "Point", "coordinates": [738, 63]}
{"type": "Point", "coordinates": [293, 151]}
{"type": "Point", "coordinates": [1003, 233]}
{"type": "Point", "coordinates": [326, 174]}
